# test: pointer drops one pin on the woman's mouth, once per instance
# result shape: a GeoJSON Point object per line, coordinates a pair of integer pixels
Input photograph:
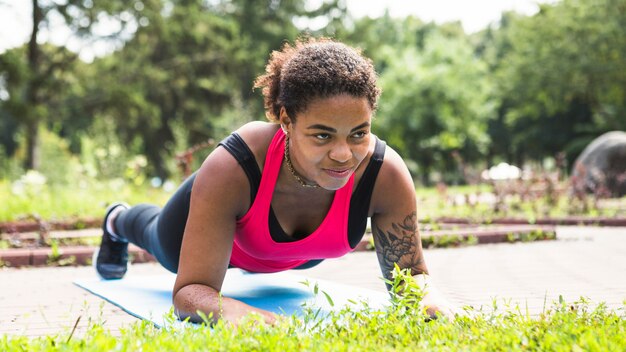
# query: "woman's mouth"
{"type": "Point", "coordinates": [338, 173]}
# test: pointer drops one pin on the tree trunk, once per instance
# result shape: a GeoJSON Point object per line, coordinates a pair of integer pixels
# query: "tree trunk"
{"type": "Point", "coordinates": [32, 96]}
{"type": "Point", "coordinates": [33, 160]}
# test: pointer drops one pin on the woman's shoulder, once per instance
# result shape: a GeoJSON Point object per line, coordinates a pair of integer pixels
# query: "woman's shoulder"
{"type": "Point", "coordinates": [393, 165]}
{"type": "Point", "coordinates": [394, 181]}
{"type": "Point", "coordinates": [221, 172]}
{"type": "Point", "coordinates": [393, 162]}
{"type": "Point", "coordinates": [258, 136]}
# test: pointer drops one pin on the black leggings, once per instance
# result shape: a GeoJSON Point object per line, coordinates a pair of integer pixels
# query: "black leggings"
{"type": "Point", "coordinates": [160, 231]}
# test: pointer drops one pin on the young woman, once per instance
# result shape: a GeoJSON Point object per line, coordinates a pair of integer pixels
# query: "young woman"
{"type": "Point", "coordinates": [283, 194]}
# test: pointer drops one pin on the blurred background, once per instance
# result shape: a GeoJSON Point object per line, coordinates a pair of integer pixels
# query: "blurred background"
{"type": "Point", "coordinates": [489, 102]}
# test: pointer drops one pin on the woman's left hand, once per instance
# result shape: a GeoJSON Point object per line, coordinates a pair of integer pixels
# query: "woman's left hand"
{"type": "Point", "coordinates": [436, 304]}
{"type": "Point", "coordinates": [433, 301]}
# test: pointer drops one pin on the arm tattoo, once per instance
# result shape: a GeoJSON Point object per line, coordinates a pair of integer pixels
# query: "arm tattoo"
{"type": "Point", "coordinates": [399, 245]}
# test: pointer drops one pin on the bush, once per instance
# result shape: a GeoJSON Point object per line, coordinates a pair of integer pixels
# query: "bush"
{"type": "Point", "coordinates": [402, 326]}
{"type": "Point", "coordinates": [58, 164]}
{"type": "Point", "coordinates": [9, 167]}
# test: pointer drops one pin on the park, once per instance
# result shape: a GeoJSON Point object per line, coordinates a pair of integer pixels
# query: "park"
{"type": "Point", "coordinates": [510, 138]}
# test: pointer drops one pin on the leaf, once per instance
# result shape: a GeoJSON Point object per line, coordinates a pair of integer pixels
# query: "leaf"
{"type": "Point", "coordinates": [330, 301]}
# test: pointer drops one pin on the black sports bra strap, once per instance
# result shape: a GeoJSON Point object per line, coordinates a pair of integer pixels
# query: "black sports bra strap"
{"type": "Point", "coordinates": [236, 146]}
{"type": "Point", "coordinates": [360, 202]}
{"type": "Point", "coordinates": [371, 171]}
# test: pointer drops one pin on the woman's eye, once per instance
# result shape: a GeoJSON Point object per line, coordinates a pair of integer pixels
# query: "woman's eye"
{"type": "Point", "coordinates": [322, 136]}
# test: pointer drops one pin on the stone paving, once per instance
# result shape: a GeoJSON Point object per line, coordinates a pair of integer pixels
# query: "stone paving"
{"type": "Point", "coordinates": [584, 261]}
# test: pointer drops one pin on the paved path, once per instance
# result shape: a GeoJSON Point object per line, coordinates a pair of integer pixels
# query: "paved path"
{"type": "Point", "coordinates": [588, 262]}
{"type": "Point", "coordinates": [585, 261]}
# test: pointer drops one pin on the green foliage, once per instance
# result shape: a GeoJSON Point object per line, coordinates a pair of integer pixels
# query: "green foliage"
{"type": "Point", "coordinates": [537, 235]}
{"type": "Point", "coordinates": [525, 200]}
{"type": "Point", "coordinates": [403, 326]}
{"type": "Point", "coordinates": [193, 66]}
{"type": "Point", "coordinates": [58, 165]}
{"type": "Point", "coordinates": [105, 157]}
{"type": "Point", "coordinates": [447, 241]}
{"type": "Point", "coordinates": [32, 196]}
{"type": "Point", "coordinates": [183, 70]}
{"type": "Point", "coordinates": [55, 244]}
{"type": "Point", "coordinates": [55, 256]}
{"type": "Point", "coordinates": [434, 103]}
{"type": "Point", "coordinates": [177, 68]}
{"type": "Point", "coordinates": [406, 294]}
{"type": "Point", "coordinates": [10, 168]}
{"type": "Point", "coordinates": [561, 76]}
{"type": "Point", "coordinates": [38, 77]}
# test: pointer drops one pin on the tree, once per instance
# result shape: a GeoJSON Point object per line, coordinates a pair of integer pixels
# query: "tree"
{"type": "Point", "coordinates": [562, 80]}
{"type": "Point", "coordinates": [176, 69]}
{"type": "Point", "coordinates": [191, 65]}
{"type": "Point", "coordinates": [35, 81]}
{"type": "Point", "coordinates": [265, 25]}
{"type": "Point", "coordinates": [32, 100]}
{"type": "Point", "coordinates": [434, 104]}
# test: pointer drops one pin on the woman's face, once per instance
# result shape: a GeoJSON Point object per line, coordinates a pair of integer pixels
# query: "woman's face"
{"type": "Point", "coordinates": [329, 139]}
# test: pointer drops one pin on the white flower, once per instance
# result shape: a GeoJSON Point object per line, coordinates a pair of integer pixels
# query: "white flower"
{"type": "Point", "coordinates": [34, 178]}
{"type": "Point", "coordinates": [502, 171]}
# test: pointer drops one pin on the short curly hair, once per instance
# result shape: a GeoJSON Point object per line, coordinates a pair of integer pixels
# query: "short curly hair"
{"type": "Point", "coordinates": [315, 68]}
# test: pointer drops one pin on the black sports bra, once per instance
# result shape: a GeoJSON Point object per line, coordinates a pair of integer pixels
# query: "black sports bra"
{"type": "Point", "coordinates": [359, 202]}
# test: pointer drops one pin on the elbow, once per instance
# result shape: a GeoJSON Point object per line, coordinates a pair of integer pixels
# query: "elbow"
{"type": "Point", "coordinates": [195, 303]}
{"type": "Point", "coordinates": [183, 305]}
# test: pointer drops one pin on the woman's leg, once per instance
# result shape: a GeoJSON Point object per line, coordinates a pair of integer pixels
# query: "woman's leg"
{"type": "Point", "coordinates": [158, 231]}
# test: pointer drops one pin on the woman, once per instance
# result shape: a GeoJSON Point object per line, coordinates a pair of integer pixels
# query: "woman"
{"type": "Point", "coordinates": [283, 194]}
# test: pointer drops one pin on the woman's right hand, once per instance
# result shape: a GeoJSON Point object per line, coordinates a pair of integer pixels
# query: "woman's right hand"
{"type": "Point", "coordinates": [194, 298]}
{"type": "Point", "coordinates": [234, 311]}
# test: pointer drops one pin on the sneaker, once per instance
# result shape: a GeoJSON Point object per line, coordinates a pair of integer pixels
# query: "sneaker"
{"type": "Point", "coordinates": [112, 258]}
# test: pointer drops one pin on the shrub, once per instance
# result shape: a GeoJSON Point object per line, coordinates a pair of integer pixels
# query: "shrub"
{"type": "Point", "coordinates": [402, 326]}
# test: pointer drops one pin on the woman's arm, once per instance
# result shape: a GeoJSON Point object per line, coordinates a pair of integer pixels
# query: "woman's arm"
{"type": "Point", "coordinates": [395, 230]}
{"type": "Point", "coordinates": [220, 194]}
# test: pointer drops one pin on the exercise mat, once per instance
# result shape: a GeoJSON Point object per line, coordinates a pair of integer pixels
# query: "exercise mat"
{"type": "Point", "coordinates": [149, 297]}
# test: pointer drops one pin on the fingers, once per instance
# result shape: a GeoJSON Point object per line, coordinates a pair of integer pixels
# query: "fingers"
{"type": "Point", "coordinates": [262, 316]}
{"type": "Point", "coordinates": [270, 318]}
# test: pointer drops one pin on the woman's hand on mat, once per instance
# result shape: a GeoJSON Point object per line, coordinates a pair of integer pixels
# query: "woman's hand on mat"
{"type": "Point", "coordinates": [235, 311]}
{"type": "Point", "coordinates": [202, 298]}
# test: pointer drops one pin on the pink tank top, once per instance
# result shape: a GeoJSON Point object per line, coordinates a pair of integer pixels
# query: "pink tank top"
{"type": "Point", "coordinates": [254, 249]}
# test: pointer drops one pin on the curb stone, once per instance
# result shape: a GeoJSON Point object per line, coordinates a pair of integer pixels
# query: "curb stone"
{"type": "Point", "coordinates": [71, 255]}
{"type": "Point", "coordinates": [568, 221]}
{"type": "Point", "coordinates": [81, 255]}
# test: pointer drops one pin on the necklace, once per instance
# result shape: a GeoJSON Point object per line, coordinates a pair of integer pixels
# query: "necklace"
{"type": "Point", "coordinates": [292, 170]}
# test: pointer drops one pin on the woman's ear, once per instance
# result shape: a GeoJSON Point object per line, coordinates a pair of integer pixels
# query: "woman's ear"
{"type": "Point", "coordinates": [285, 121]}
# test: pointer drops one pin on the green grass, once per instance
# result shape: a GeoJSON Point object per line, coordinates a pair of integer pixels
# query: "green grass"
{"type": "Point", "coordinates": [434, 205]}
{"type": "Point", "coordinates": [428, 192]}
{"type": "Point", "coordinates": [90, 199]}
{"type": "Point", "coordinates": [401, 327]}
{"type": "Point", "coordinates": [69, 202]}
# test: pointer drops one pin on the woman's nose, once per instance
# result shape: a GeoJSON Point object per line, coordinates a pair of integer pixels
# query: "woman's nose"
{"type": "Point", "coordinates": [341, 152]}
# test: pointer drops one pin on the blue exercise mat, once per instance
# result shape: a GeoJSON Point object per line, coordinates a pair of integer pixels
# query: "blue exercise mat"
{"type": "Point", "coordinates": [149, 297]}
